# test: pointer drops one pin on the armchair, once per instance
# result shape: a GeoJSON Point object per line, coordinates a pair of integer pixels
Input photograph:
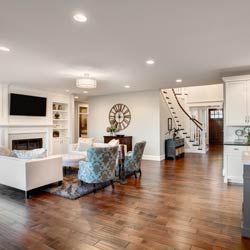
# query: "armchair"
{"type": "Point", "coordinates": [132, 161]}
{"type": "Point", "coordinates": [100, 166]}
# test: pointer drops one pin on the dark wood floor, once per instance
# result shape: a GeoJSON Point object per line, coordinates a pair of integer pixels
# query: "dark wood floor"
{"type": "Point", "coordinates": [181, 204]}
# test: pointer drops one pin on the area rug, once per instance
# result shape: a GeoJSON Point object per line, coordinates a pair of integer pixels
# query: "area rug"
{"type": "Point", "coordinates": [72, 189]}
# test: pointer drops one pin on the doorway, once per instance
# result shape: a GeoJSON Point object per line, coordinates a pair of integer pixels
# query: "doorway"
{"type": "Point", "coordinates": [215, 126]}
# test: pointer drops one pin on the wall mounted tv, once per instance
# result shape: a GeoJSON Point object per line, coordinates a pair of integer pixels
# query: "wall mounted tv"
{"type": "Point", "coordinates": [25, 105]}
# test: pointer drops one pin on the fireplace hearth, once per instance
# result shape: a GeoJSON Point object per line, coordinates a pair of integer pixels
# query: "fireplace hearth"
{"type": "Point", "coordinates": [27, 144]}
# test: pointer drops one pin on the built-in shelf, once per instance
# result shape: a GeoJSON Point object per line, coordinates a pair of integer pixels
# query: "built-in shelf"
{"type": "Point", "coordinates": [60, 119]}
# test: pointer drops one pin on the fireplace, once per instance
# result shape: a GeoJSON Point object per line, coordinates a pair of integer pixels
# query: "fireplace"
{"type": "Point", "coordinates": [27, 144]}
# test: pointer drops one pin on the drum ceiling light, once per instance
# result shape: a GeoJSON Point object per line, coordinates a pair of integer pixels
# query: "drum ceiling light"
{"type": "Point", "coordinates": [86, 83]}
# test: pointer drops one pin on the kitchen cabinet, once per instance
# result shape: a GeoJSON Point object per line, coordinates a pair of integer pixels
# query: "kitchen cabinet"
{"type": "Point", "coordinates": [232, 165]}
{"type": "Point", "coordinates": [237, 103]}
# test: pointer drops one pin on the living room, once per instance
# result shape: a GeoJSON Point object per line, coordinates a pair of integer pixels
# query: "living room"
{"type": "Point", "coordinates": [124, 125]}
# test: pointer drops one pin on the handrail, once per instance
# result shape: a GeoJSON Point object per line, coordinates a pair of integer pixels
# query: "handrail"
{"type": "Point", "coordinates": [197, 123]}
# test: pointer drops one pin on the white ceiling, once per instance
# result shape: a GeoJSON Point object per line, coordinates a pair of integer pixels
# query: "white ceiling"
{"type": "Point", "coordinates": [195, 40]}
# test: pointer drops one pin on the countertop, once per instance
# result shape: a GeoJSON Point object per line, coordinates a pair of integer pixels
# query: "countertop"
{"type": "Point", "coordinates": [237, 143]}
{"type": "Point", "coordinates": [245, 158]}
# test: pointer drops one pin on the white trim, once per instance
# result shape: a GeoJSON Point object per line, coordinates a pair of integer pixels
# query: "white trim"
{"type": "Point", "coordinates": [236, 78]}
{"type": "Point", "coordinates": [153, 157]}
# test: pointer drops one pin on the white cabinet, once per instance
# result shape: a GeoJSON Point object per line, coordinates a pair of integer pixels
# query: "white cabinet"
{"type": "Point", "coordinates": [237, 103]}
{"type": "Point", "coordinates": [232, 165]}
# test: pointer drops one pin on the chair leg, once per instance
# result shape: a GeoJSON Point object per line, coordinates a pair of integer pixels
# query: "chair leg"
{"type": "Point", "coordinates": [112, 184]}
{"type": "Point", "coordinates": [94, 188]}
{"type": "Point", "coordinates": [140, 172]}
{"type": "Point", "coordinates": [135, 174]}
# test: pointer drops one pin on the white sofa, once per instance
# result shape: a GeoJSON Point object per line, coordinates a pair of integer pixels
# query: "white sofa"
{"type": "Point", "coordinates": [30, 174]}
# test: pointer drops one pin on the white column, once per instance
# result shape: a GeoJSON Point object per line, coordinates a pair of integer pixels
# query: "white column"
{"type": "Point", "coordinates": [4, 110]}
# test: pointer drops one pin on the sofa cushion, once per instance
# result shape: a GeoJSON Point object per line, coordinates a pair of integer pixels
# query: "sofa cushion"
{"type": "Point", "coordinates": [4, 151]}
{"type": "Point", "coordinates": [30, 154]}
{"type": "Point", "coordinates": [113, 143]}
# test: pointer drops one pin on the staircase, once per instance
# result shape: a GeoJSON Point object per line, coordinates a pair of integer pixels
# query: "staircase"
{"type": "Point", "coordinates": [188, 127]}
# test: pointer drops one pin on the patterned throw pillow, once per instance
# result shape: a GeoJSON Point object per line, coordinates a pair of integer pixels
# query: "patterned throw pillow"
{"type": "Point", "coordinates": [30, 154]}
{"type": "Point", "coordinates": [4, 151]}
{"type": "Point", "coordinates": [83, 146]}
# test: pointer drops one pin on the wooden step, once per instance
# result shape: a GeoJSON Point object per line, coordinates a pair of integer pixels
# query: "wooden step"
{"type": "Point", "coordinates": [171, 108]}
{"type": "Point", "coordinates": [195, 145]}
{"type": "Point", "coordinates": [188, 136]}
{"type": "Point", "coordinates": [169, 102]}
{"type": "Point", "coordinates": [165, 92]}
{"type": "Point", "coordinates": [185, 133]}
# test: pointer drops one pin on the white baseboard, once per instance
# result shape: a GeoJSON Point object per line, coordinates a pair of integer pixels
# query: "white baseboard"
{"type": "Point", "coordinates": [153, 157]}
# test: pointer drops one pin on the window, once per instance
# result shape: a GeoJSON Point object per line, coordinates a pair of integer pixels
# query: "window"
{"type": "Point", "coordinates": [216, 114]}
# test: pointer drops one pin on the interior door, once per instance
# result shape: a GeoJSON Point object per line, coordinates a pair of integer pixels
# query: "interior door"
{"type": "Point", "coordinates": [215, 126]}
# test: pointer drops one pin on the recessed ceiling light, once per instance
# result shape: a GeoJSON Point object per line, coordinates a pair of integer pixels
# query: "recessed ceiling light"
{"type": "Point", "coordinates": [80, 18]}
{"type": "Point", "coordinates": [67, 90]}
{"type": "Point", "coordinates": [76, 97]}
{"type": "Point", "coordinates": [127, 86]}
{"type": "Point", "coordinates": [85, 92]}
{"type": "Point", "coordinates": [5, 49]}
{"type": "Point", "coordinates": [150, 62]}
{"type": "Point", "coordinates": [178, 80]}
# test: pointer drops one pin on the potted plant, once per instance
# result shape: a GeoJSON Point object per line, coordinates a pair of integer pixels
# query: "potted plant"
{"type": "Point", "coordinates": [112, 129]}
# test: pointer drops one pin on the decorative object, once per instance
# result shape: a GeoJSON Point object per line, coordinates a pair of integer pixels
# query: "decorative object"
{"type": "Point", "coordinates": [119, 116]}
{"type": "Point", "coordinates": [60, 107]}
{"type": "Point", "coordinates": [86, 82]}
{"type": "Point", "coordinates": [54, 106]}
{"type": "Point", "coordinates": [111, 130]}
{"type": "Point", "coordinates": [126, 140]}
{"type": "Point", "coordinates": [56, 134]}
{"type": "Point", "coordinates": [239, 133]}
{"type": "Point", "coordinates": [57, 116]}
{"type": "Point", "coordinates": [247, 137]}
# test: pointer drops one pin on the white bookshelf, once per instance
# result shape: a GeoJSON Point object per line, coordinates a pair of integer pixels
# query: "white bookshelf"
{"type": "Point", "coordinates": [60, 119]}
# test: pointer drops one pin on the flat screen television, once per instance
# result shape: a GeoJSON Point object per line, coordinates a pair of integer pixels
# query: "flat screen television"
{"type": "Point", "coordinates": [25, 105]}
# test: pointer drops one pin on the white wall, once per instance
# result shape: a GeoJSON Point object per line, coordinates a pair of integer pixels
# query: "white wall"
{"type": "Point", "coordinates": [164, 115]}
{"type": "Point", "coordinates": [145, 121]}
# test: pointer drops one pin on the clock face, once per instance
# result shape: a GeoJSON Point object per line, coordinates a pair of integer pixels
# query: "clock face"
{"type": "Point", "coordinates": [119, 116]}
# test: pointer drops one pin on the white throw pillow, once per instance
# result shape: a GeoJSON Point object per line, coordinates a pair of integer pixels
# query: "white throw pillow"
{"type": "Point", "coordinates": [83, 146]}
{"type": "Point", "coordinates": [30, 154]}
{"type": "Point", "coordinates": [4, 151]}
{"type": "Point", "coordinates": [113, 143]}
{"type": "Point", "coordinates": [89, 141]}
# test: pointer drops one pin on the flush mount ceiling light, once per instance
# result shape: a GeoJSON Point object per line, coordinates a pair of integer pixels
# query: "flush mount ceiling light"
{"type": "Point", "coordinates": [127, 86]}
{"type": "Point", "coordinates": [150, 62]}
{"type": "Point", "coordinates": [86, 82]}
{"type": "Point", "coordinates": [85, 92]}
{"type": "Point", "coordinates": [80, 18]}
{"type": "Point", "coordinates": [76, 97]}
{"type": "Point", "coordinates": [178, 80]}
{"type": "Point", "coordinates": [5, 49]}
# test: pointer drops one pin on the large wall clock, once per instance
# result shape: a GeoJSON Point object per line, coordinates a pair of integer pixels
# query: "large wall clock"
{"type": "Point", "coordinates": [119, 116]}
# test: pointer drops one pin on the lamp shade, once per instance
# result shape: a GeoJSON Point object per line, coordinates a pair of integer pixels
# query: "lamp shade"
{"type": "Point", "coordinates": [86, 83]}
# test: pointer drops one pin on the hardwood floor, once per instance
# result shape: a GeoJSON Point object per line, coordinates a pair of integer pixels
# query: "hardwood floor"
{"type": "Point", "coordinates": [181, 204]}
